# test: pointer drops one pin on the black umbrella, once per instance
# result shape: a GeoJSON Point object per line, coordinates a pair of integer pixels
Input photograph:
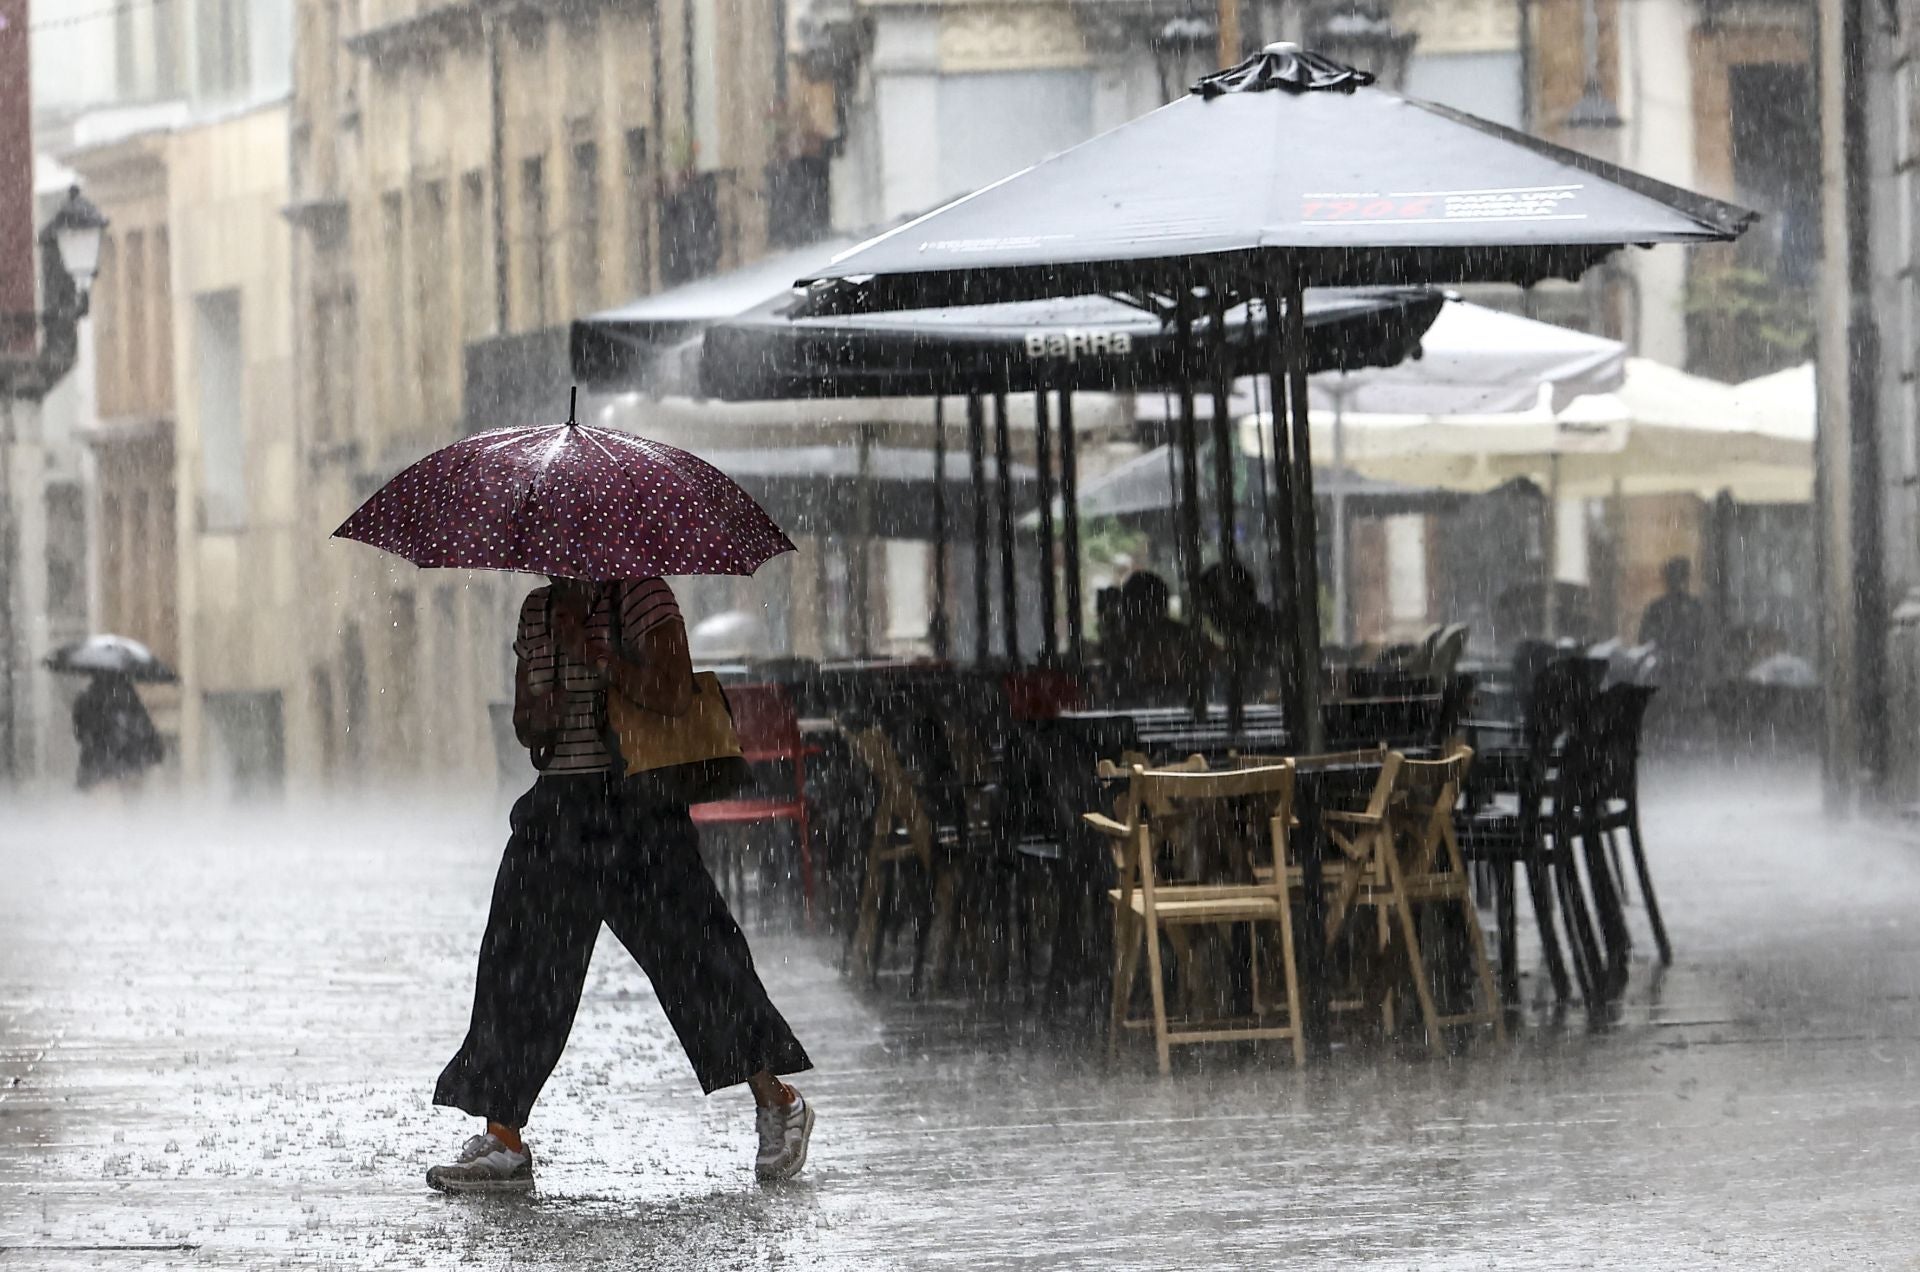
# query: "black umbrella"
{"type": "Point", "coordinates": [1063, 343]}
{"type": "Point", "coordinates": [1287, 153]}
{"type": "Point", "coordinates": [1285, 171]}
{"type": "Point", "coordinates": [109, 654]}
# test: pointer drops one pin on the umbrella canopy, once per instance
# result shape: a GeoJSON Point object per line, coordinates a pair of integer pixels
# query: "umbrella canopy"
{"type": "Point", "coordinates": [1074, 342]}
{"type": "Point", "coordinates": [732, 337]}
{"type": "Point", "coordinates": [1287, 154]}
{"type": "Point", "coordinates": [1662, 431]}
{"type": "Point", "coordinates": [817, 489]}
{"type": "Point", "coordinates": [1144, 486]}
{"type": "Point", "coordinates": [108, 653]}
{"type": "Point", "coordinates": [572, 500]}
{"type": "Point", "coordinates": [1478, 361]}
{"type": "Point", "coordinates": [654, 343]}
{"type": "Point", "coordinates": [1471, 361]}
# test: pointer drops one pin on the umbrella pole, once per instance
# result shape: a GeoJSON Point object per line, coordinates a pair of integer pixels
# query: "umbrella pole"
{"type": "Point", "coordinates": [1306, 566]}
{"type": "Point", "coordinates": [1189, 490]}
{"type": "Point", "coordinates": [1070, 496]}
{"type": "Point", "coordinates": [1337, 498]}
{"type": "Point", "coordinates": [1223, 462]}
{"type": "Point", "coordinates": [1550, 597]}
{"type": "Point", "coordinates": [1266, 487]}
{"type": "Point", "coordinates": [938, 619]}
{"type": "Point", "coordinates": [863, 509]}
{"type": "Point", "coordinates": [1043, 461]}
{"type": "Point", "coordinates": [1009, 574]}
{"type": "Point", "coordinates": [977, 461]}
{"type": "Point", "coordinates": [1285, 586]}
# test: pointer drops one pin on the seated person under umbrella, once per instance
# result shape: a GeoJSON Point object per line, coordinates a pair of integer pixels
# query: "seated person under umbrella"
{"type": "Point", "coordinates": [1245, 629]}
{"type": "Point", "coordinates": [1155, 660]}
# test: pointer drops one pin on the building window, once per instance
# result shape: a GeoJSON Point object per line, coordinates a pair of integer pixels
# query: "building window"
{"type": "Point", "coordinates": [106, 327]}
{"type": "Point", "coordinates": [637, 180]}
{"type": "Point", "coordinates": [538, 276]}
{"type": "Point", "coordinates": [221, 47]}
{"type": "Point", "coordinates": [393, 341]}
{"type": "Point", "coordinates": [112, 553]}
{"type": "Point", "coordinates": [133, 325]}
{"type": "Point", "coordinates": [160, 330]}
{"type": "Point", "coordinates": [435, 332]}
{"type": "Point", "coordinates": [219, 372]}
{"type": "Point", "coordinates": [67, 555]}
{"type": "Point", "coordinates": [583, 208]}
{"type": "Point", "coordinates": [476, 263]}
{"type": "Point", "coordinates": [334, 369]}
{"type": "Point", "coordinates": [690, 230]}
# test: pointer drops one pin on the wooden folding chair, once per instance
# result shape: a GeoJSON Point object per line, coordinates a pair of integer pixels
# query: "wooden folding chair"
{"type": "Point", "coordinates": [1144, 905]}
{"type": "Point", "coordinates": [903, 834]}
{"type": "Point", "coordinates": [1403, 853]}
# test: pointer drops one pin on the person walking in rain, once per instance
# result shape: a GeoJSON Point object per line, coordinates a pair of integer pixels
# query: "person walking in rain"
{"type": "Point", "coordinates": [118, 742]}
{"type": "Point", "coordinates": [586, 848]}
{"type": "Point", "coordinates": [1675, 624]}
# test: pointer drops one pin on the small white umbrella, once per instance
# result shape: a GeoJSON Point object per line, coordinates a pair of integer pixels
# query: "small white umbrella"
{"type": "Point", "coordinates": [108, 653]}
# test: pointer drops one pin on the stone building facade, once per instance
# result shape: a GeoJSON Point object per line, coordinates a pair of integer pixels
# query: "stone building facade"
{"type": "Point", "coordinates": [467, 178]}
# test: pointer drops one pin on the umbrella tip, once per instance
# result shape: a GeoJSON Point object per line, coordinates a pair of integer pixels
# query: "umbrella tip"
{"type": "Point", "coordinates": [1282, 48]}
{"type": "Point", "coordinates": [573, 403]}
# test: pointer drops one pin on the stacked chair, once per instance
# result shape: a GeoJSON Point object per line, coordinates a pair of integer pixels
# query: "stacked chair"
{"type": "Point", "coordinates": [1552, 807]}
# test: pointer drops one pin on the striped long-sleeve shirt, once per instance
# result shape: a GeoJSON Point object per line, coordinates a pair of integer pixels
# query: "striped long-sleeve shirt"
{"type": "Point", "coordinates": [580, 746]}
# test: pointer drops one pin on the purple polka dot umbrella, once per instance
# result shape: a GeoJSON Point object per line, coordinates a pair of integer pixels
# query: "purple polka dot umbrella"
{"type": "Point", "coordinates": [570, 500]}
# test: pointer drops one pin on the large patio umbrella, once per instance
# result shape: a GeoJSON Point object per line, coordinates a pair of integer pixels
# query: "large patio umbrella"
{"type": "Point", "coordinates": [731, 337]}
{"type": "Point", "coordinates": [1660, 431]}
{"type": "Point", "coordinates": [1286, 171]}
{"type": "Point", "coordinates": [1473, 361]}
{"type": "Point", "coordinates": [1062, 343]}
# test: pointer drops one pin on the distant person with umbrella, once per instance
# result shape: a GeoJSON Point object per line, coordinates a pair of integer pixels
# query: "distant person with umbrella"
{"type": "Point", "coordinates": [594, 840]}
{"type": "Point", "coordinates": [118, 742]}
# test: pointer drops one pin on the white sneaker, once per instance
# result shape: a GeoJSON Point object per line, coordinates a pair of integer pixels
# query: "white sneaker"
{"type": "Point", "coordinates": [484, 1165]}
{"type": "Point", "coordinates": [785, 1130]}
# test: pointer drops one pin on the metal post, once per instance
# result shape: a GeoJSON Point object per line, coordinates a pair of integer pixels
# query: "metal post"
{"type": "Point", "coordinates": [1223, 465]}
{"type": "Point", "coordinates": [863, 546]}
{"type": "Point", "coordinates": [1285, 583]}
{"type": "Point", "coordinates": [1189, 510]}
{"type": "Point", "coordinates": [1337, 497]}
{"type": "Point", "coordinates": [1306, 566]}
{"type": "Point", "coordinates": [1550, 597]}
{"type": "Point", "coordinates": [1223, 448]}
{"type": "Point", "coordinates": [977, 461]}
{"type": "Point", "coordinates": [938, 626]}
{"type": "Point", "coordinates": [1043, 461]}
{"type": "Point", "coordinates": [1070, 538]}
{"type": "Point", "coordinates": [1865, 476]}
{"type": "Point", "coordinates": [1009, 572]}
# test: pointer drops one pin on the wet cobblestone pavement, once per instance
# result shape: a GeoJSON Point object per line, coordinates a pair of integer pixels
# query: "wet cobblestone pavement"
{"type": "Point", "coordinates": [218, 1036]}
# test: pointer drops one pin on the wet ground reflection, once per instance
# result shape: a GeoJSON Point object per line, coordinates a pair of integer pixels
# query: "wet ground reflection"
{"type": "Point", "coordinates": [217, 1036]}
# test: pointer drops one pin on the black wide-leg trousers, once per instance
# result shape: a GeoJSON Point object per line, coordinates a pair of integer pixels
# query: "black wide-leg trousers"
{"type": "Point", "coordinates": [579, 856]}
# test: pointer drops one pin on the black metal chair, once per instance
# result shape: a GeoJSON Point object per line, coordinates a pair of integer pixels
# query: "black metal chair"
{"type": "Point", "coordinates": [1615, 798]}
{"type": "Point", "coordinates": [1542, 779]}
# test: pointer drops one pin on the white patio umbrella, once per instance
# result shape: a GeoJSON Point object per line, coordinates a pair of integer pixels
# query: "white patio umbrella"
{"type": "Point", "coordinates": [1473, 362]}
{"type": "Point", "coordinates": [1662, 431]}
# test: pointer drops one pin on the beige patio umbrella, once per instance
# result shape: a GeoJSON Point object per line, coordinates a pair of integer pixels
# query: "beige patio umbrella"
{"type": "Point", "coordinates": [1663, 431]}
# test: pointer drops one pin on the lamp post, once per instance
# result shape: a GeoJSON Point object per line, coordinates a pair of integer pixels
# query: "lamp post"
{"type": "Point", "coordinates": [69, 258]}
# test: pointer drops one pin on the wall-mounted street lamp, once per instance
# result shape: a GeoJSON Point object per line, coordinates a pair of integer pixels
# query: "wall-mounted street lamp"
{"type": "Point", "coordinates": [74, 234]}
{"type": "Point", "coordinates": [69, 259]}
